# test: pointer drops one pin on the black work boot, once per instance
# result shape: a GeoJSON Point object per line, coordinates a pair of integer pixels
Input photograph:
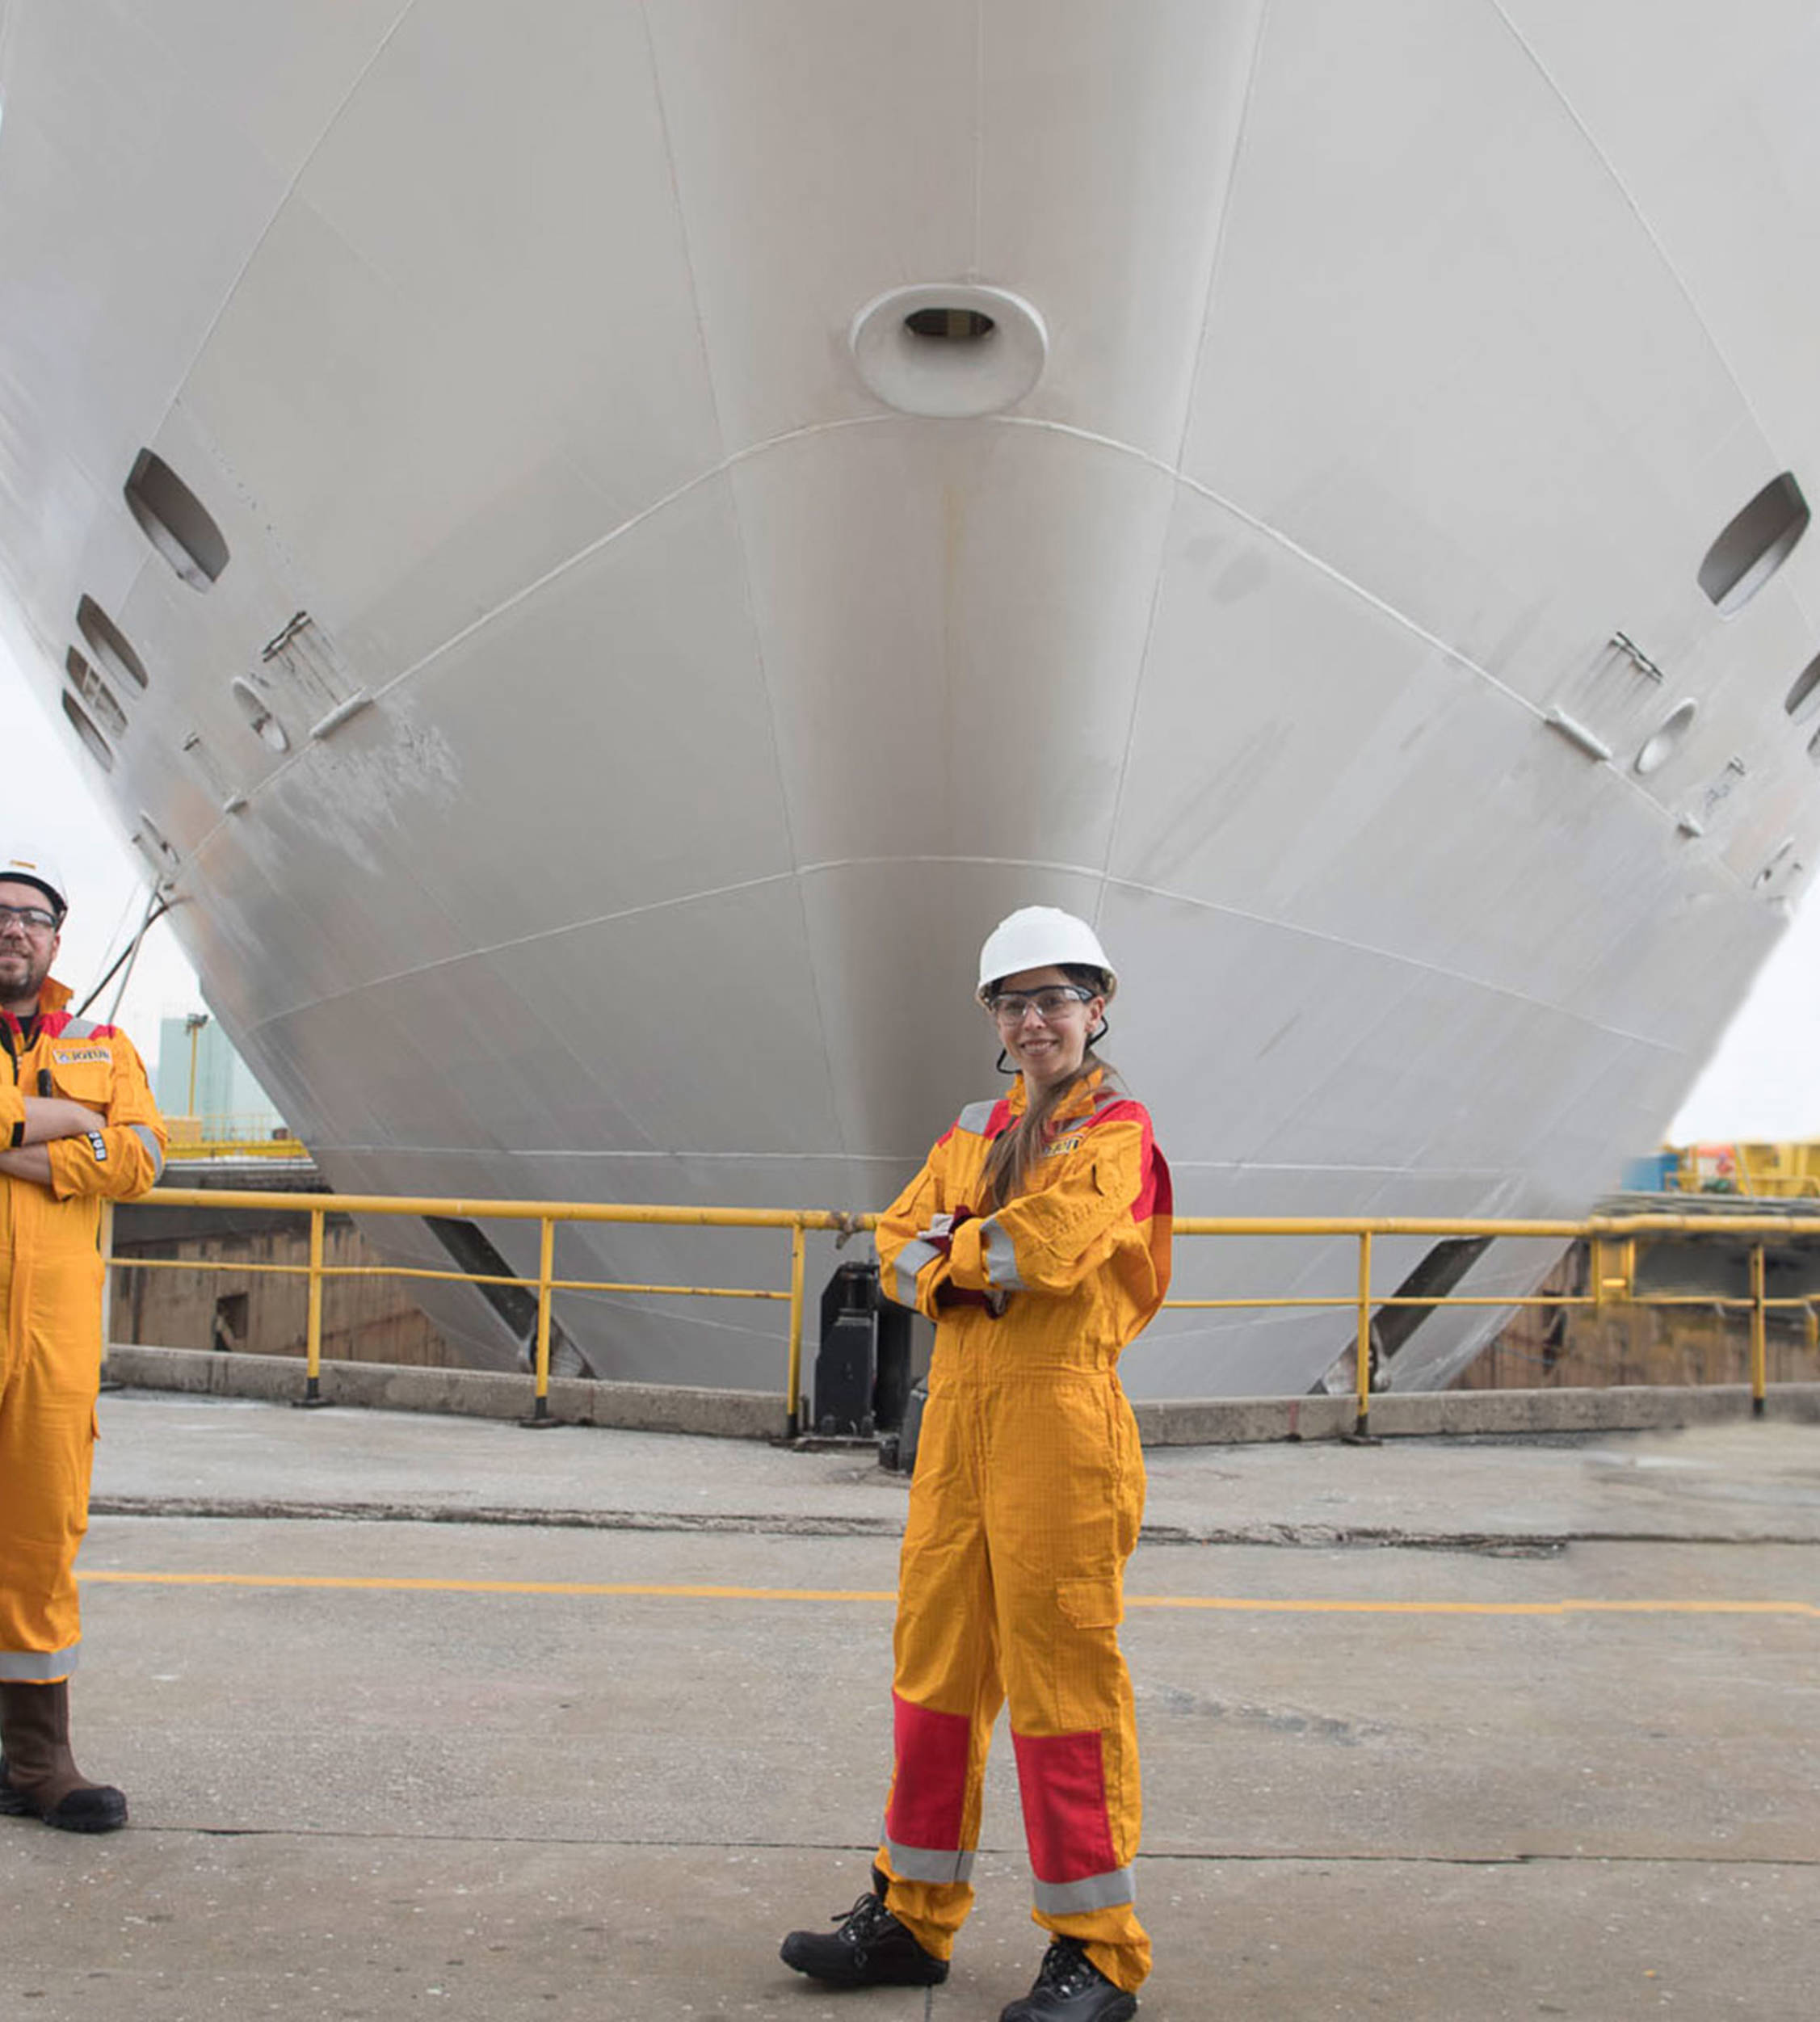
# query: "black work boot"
{"type": "Point", "coordinates": [868, 1948]}
{"type": "Point", "coordinates": [1069, 1988]}
{"type": "Point", "coordinates": [38, 1777]}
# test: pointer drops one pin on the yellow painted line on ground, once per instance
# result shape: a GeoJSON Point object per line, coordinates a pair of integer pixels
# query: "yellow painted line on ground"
{"type": "Point", "coordinates": [1229, 1603]}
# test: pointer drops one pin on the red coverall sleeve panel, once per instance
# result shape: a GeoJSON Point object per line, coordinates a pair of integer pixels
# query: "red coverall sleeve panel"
{"type": "Point", "coordinates": [1100, 1202]}
{"type": "Point", "coordinates": [911, 1272]}
{"type": "Point", "coordinates": [130, 1155]}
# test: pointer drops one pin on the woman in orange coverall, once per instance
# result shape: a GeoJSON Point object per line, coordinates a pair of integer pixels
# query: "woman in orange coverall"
{"type": "Point", "coordinates": [1037, 1237]}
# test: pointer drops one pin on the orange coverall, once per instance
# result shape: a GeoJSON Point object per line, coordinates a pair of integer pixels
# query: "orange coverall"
{"type": "Point", "coordinates": [50, 1305]}
{"type": "Point", "coordinates": [1024, 1507]}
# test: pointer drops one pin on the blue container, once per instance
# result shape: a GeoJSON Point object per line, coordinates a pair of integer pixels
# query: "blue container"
{"type": "Point", "coordinates": [1652, 1175]}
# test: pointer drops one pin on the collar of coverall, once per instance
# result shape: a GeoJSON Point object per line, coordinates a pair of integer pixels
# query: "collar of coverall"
{"type": "Point", "coordinates": [1085, 1097]}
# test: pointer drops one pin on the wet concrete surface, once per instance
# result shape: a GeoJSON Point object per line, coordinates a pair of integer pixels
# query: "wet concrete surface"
{"type": "Point", "coordinates": [1442, 1730]}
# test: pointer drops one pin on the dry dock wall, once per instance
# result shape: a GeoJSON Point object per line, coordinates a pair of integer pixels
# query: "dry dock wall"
{"type": "Point", "coordinates": [483, 1393]}
{"type": "Point", "coordinates": [752, 1414]}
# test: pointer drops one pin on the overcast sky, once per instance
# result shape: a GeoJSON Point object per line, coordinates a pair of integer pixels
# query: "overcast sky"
{"type": "Point", "coordinates": [1764, 1082]}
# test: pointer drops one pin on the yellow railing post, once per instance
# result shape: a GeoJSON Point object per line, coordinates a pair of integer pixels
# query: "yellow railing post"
{"type": "Point", "coordinates": [1759, 1345]}
{"type": "Point", "coordinates": [546, 1269]}
{"type": "Point", "coordinates": [1361, 1425]}
{"type": "Point", "coordinates": [312, 1339]}
{"type": "Point", "coordinates": [792, 1381]}
{"type": "Point", "coordinates": [1613, 1261]}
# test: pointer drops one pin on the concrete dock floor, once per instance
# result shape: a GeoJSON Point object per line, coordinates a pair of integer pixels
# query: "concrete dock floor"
{"type": "Point", "coordinates": [444, 1717]}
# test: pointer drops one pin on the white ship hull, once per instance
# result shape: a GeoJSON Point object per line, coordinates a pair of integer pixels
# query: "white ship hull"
{"type": "Point", "coordinates": [686, 713]}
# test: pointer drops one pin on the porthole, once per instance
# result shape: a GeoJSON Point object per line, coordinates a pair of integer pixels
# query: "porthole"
{"type": "Point", "coordinates": [85, 731]}
{"type": "Point", "coordinates": [176, 522]}
{"type": "Point", "coordinates": [1803, 699]}
{"type": "Point", "coordinates": [265, 726]}
{"type": "Point", "coordinates": [944, 349]}
{"type": "Point", "coordinates": [95, 691]}
{"type": "Point", "coordinates": [1659, 748]}
{"type": "Point", "coordinates": [109, 644]}
{"type": "Point", "coordinates": [950, 325]}
{"type": "Point", "coordinates": [1755, 545]}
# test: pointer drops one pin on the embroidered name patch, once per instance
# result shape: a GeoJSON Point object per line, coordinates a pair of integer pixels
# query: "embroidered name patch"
{"type": "Point", "coordinates": [88, 1054]}
{"type": "Point", "coordinates": [98, 1145]}
{"type": "Point", "coordinates": [1062, 1145]}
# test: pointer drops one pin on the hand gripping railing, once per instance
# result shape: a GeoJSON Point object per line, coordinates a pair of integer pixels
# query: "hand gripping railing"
{"type": "Point", "coordinates": [1612, 1240]}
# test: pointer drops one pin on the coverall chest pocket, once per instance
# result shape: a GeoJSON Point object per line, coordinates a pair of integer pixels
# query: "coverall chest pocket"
{"type": "Point", "coordinates": [89, 1081]}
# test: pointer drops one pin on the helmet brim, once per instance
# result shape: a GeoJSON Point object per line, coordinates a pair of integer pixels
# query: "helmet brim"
{"type": "Point", "coordinates": [24, 877]}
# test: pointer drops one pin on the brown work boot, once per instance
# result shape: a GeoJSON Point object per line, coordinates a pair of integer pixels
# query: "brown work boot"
{"type": "Point", "coordinates": [38, 1777]}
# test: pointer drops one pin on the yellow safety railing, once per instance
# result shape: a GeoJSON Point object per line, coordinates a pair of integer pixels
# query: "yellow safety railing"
{"type": "Point", "coordinates": [547, 1214]}
{"type": "Point", "coordinates": [1612, 1278]}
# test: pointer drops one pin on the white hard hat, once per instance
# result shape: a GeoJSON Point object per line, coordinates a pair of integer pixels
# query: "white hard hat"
{"type": "Point", "coordinates": [32, 867]}
{"type": "Point", "coordinates": [1041, 937]}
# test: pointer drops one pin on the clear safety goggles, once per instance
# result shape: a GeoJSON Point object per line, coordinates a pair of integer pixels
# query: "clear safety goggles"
{"type": "Point", "coordinates": [33, 919]}
{"type": "Point", "coordinates": [1049, 1004]}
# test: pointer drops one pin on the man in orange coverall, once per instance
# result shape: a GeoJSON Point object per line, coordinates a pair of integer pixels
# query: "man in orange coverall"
{"type": "Point", "coordinates": [77, 1126]}
{"type": "Point", "coordinates": [1027, 1497]}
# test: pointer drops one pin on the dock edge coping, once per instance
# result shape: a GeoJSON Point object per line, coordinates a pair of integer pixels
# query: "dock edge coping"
{"type": "Point", "coordinates": [759, 1415]}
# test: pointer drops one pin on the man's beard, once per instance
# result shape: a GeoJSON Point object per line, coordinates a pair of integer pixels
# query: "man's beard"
{"type": "Point", "coordinates": [30, 974]}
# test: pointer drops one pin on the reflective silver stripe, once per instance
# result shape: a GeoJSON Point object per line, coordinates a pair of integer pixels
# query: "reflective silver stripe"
{"type": "Point", "coordinates": [1097, 1892]}
{"type": "Point", "coordinates": [1001, 1258]}
{"type": "Point", "coordinates": [910, 1262]}
{"type": "Point", "coordinates": [149, 1137]}
{"type": "Point", "coordinates": [976, 1116]}
{"type": "Point", "coordinates": [37, 1666]}
{"type": "Point", "coordinates": [929, 1864]}
{"type": "Point", "coordinates": [78, 1028]}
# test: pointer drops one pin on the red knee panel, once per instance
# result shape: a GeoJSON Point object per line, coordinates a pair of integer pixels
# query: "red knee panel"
{"type": "Point", "coordinates": [930, 1789]}
{"type": "Point", "coordinates": [1061, 1780]}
